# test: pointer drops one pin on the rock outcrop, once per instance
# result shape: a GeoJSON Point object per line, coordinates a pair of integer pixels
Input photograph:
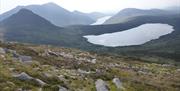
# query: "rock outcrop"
{"type": "Point", "coordinates": [40, 82]}
{"type": "Point", "coordinates": [25, 58]}
{"type": "Point", "coordinates": [23, 76]}
{"type": "Point", "coordinates": [101, 85]}
{"type": "Point", "coordinates": [62, 88]}
{"type": "Point", "coordinates": [2, 51]}
{"type": "Point", "coordinates": [118, 83]}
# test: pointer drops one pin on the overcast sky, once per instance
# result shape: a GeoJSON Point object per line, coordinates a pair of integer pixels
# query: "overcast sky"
{"type": "Point", "coordinates": [93, 5]}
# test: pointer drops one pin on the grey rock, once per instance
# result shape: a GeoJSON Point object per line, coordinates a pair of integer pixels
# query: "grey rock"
{"type": "Point", "coordinates": [90, 60]}
{"type": "Point", "coordinates": [2, 51]}
{"type": "Point", "coordinates": [66, 55]}
{"type": "Point", "coordinates": [61, 78]}
{"type": "Point", "coordinates": [47, 75]}
{"type": "Point", "coordinates": [178, 70]}
{"type": "Point", "coordinates": [15, 54]}
{"type": "Point", "coordinates": [21, 89]}
{"type": "Point", "coordinates": [49, 52]}
{"type": "Point", "coordinates": [62, 88]}
{"type": "Point", "coordinates": [23, 76]}
{"type": "Point", "coordinates": [26, 77]}
{"type": "Point", "coordinates": [117, 82]}
{"type": "Point", "coordinates": [25, 58]}
{"type": "Point", "coordinates": [93, 61]}
{"type": "Point", "coordinates": [83, 71]}
{"type": "Point", "coordinates": [40, 82]}
{"type": "Point", "coordinates": [101, 85]}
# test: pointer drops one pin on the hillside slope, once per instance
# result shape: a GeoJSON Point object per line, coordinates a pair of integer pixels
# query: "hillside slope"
{"type": "Point", "coordinates": [49, 68]}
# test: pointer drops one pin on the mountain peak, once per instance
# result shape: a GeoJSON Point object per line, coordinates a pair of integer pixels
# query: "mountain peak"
{"type": "Point", "coordinates": [54, 13]}
{"type": "Point", "coordinates": [76, 11]}
{"type": "Point", "coordinates": [130, 10]}
{"type": "Point", "coordinates": [23, 10]}
{"type": "Point", "coordinates": [53, 6]}
{"type": "Point", "coordinates": [50, 4]}
{"type": "Point", "coordinates": [26, 17]}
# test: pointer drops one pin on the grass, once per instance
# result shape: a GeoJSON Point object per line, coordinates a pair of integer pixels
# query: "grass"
{"type": "Point", "coordinates": [157, 77]}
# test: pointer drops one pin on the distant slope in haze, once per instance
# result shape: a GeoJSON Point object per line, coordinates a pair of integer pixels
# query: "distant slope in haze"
{"type": "Point", "coordinates": [96, 15]}
{"type": "Point", "coordinates": [26, 26]}
{"type": "Point", "coordinates": [125, 15]}
{"type": "Point", "coordinates": [53, 13]}
{"type": "Point", "coordinates": [100, 21]}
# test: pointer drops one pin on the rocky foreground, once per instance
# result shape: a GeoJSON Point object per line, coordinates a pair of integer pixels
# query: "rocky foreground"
{"type": "Point", "coordinates": [25, 67]}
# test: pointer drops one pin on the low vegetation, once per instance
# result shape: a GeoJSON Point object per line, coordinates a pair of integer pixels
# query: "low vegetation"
{"type": "Point", "coordinates": [78, 70]}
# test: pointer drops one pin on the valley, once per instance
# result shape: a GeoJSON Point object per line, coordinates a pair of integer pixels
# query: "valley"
{"type": "Point", "coordinates": [46, 47]}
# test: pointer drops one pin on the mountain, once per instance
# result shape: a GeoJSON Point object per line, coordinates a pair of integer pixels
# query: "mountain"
{"type": "Point", "coordinates": [50, 68]}
{"type": "Point", "coordinates": [96, 15]}
{"type": "Point", "coordinates": [9, 13]}
{"type": "Point", "coordinates": [53, 13]}
{"type": "Point", "coordinates": [26, 17]}
{"type": "Point", "coordinates": [174, 9]}
{"type": "Point", "coordinates": [26, 26]}
{"type": "Point", "coordinates": [99, 18]}
{"type": "Point", "coordinates": [23, 27]}
{"type": "Point", "coordinates": [93, 15]}
{"type": "Point", "coordinates": [100, 21]}
{"type": "Point", "coordinates": [83, 15]}
{"type": "Point", "coordinates": [127, 14]}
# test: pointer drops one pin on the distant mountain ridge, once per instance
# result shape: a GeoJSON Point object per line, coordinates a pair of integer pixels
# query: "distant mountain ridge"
{"type": "Point", "coordinates": [97, 15]}
{"type": "Point", "coordinates": [26, 17]}
{"type": "Point", "coordinates": [174, 8]}
{"type": "Point", "coordinates": [92, 15]}
{"type": "Point", "coordinates": [26, 26]}
{"type": "Point", "coordinates": [53, 13]}
{"type": "Point", "coordinates": [128, 13]}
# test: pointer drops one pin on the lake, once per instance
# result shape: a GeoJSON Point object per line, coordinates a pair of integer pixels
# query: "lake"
{"type": "Point", "coordinates": [101, 20]}
{"type": "Point", "coordinates": [134, 36]}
